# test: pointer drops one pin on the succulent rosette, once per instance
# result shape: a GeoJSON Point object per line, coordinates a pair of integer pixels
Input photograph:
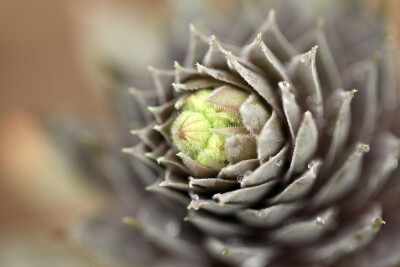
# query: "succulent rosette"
{"type": "Point", "coordinates": [274, 150]}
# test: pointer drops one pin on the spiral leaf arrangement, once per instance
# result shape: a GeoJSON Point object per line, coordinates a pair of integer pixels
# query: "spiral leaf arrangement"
{"type": "Point", "coordinates": [269, 144]}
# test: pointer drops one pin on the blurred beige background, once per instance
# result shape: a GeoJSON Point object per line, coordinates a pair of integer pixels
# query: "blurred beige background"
{"type": "Point", "coordinates": [46, 68]}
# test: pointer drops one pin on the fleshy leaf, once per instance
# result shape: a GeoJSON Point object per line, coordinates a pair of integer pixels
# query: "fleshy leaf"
{"type": "Point", "coordinates": [245, 195]}
{"type": "Point", "coordinates": [169, 193]}
{"type": "Point", "coordinates": [182, 74]}
{"type": "Point", "coordinates": [278, 44]}
{"type": "Point", "coordinates": [195, 168]}
{"type": "Point", "coordinates": [261, 56]}
{"type": "Point", "coordinates": [214, 207]}
{"type": "Point", "coordinates": [240, 254]}
{"type": "Point", "coordinates": [342, 126]}
{"type": "Point", "coordinates": [230, 131]}
{"type": "Point", "coordinates": [170, 160]}
{"type": "Point", "coordinates": [196, 84]}
{"type": "Point", "coordinates": [255, 80]}
{"type": "Point", "coordinates": [214, 57]}
{"type": "Point", "coordinates": [254, 114]}
{"type": "Point", "coordinates": [290, 107]}
{"type": "Point", "coordinates": [138, 151]}
{"type": "Point", "coordinates": [165, 128]}
{"type": "Point", "coordinates": [158, 152]}
{"type": "Point", "coordinates": [345, 177]}
{"type": "Point", "coordinates": [228, 98]}
{"type": "Point", "coordinates": [232, 171]}
{"type": "Point", "coordinates": [164, 231]}
{"type": "Point", "coordinates": [299, 187]}
{"type": "Point", "coordinates": [329, 69]}
{"type": "Point", "coordinates": [271, 138]}
{"type": "Point", "coordinates": [268, 170]}
{"type": "Point", "coordinates": [182, 100]}
{"type": "Point", "coordinates": [240, 148]}
{"type": "Point", "coordinates": [214, 226]}
{"type": "Point", "coordinates": [176, 182]}
{"type": "Point", "coordinates": [360, 234]}
{"type": "Point", "coordinates": [162, 113]}
{"type": "Point", "coordinates": [268, 217]}
{"type": "Point", "coordinates": [224, 76]}
{"type": "Point", "coordinates": [306, 144]}
{"type": "Point", "coordinates": [386, 161]}
{"type": "Point", "coordinates": [148, 136]}
{"type": "Point", "coordinates": [213, 185]}
{"type": "Point", "coordinates": [382, 251]}
{"type": "Point", "coordinates": [302, 70]}
{"type": "Point", "coordinates": [306, 231]}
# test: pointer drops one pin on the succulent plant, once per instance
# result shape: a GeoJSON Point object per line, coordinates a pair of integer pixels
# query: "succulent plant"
{"type": "Point", "coordinates": [278, 143]}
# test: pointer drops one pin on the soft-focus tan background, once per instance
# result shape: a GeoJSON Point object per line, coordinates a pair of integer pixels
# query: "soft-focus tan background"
{"type": "Point", "coordinates": [47, 70]}
{"type": "Point", "coordinates": [47, 51]}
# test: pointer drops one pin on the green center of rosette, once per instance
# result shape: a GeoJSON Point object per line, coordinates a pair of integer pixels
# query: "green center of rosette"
{"type": "Point", "coordinates": [206, 118]}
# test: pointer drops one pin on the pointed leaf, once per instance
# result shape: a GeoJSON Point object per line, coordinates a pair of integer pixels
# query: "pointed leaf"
{"type": "Point", "coordinates": [242, 255]}
{"type": "Point", "coordinates": [163, 112]}
{"type": "Point", "coordinates": [342, 127]}
{"type": "Point", "coordinates": [329, 68]}
{"type": "Point", "coordinates": [214, 207]}
{"type": "Point", "coordinates": [245, 195]}
{"type": "Point", "coordinates": [306, 231]}
{"type": "Point", "coordinates": [214, 226]}
{"type": "Point", "coordinates": [268, 217]}
{"type": "Point", "coordinates": [268, 170]}
{"type": "Point", "coordinates": [306, 144]}
{"type": "Point", "coordinates": [183, 74]}
{"type": "Point", "coordinates": [214, 57]}
{"type": "Point", "coordinates": [254, 114]}
{"type": "Point", "coordinates": [230, 131]}
{"type": "Point", "coordinates": [388, 153]}
{"type": "Point", "coordinates": [171, 161]}
{"type": "Point", "coordinates": [176, 182]}
{"type": "Point", "coordinates": [290, 107]}
{"type": "Point", "coordinates": [257, 81]}
{"type": "Point", "coordinates": [261, 56]}
{"type": "Point", "coordinates": [138, 151]}
{"type": "Point", "coordinates": [164, 231]}
{"type": "Point", "coordinates": [169, 193]}
{"type": "Point", "coordinates": [299, 187]}
{"type": "Point", "coordinates": [224, 76]}
{"type": "Point", "coordinates": [275, 40]}
{"type": "Point", "coordinates": [165, 128]}
{"type": "Point", "coordinates": [345, 177]}
{"type": "Point", "coordinates": [232, 171]}
{"type": "Point", "coordinates": [213, 185]}
{"type": "Point", "coordinates": [158, 152]}
{"type": "Point", "coordinates": [228, 98]}
{"type": "Point", "coordinates": [361, 233]}
{"type": "Point", "coordinates": [196, 84]}
{"type": "Point", "coordinates": [195, 168]}
{"type": "Point", "coordinates": [271, 138]}
{"type": "Point", "coordinates": [302, 70]}
{"type": "Point", "coordinates": [150, 137]}
{"type": "Point", "coordinates": [240, 148]}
